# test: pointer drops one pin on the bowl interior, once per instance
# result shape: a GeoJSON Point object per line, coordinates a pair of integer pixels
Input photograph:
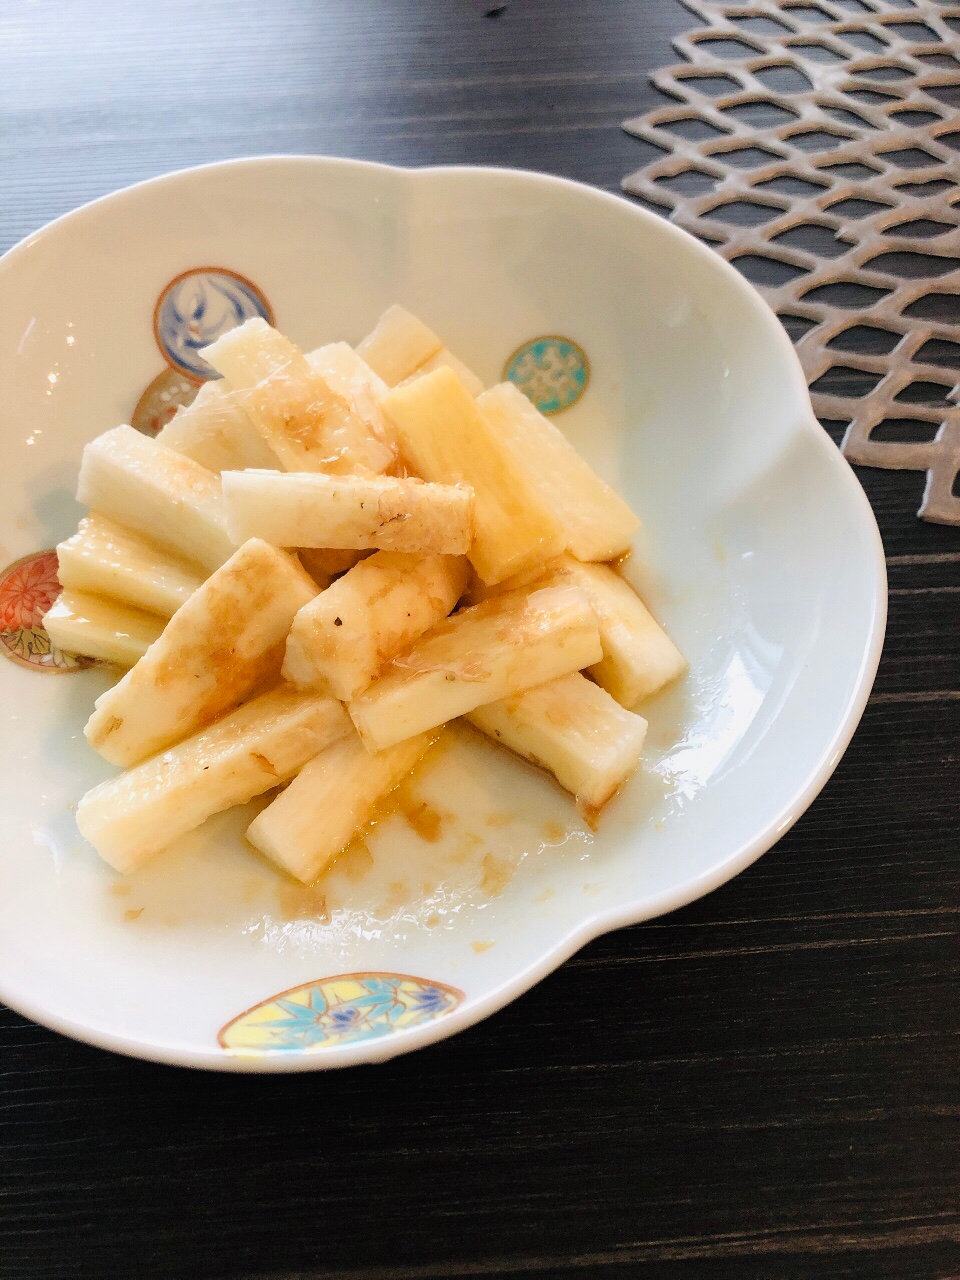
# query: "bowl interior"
{"type": "Point", "coordinates": [758, 552]}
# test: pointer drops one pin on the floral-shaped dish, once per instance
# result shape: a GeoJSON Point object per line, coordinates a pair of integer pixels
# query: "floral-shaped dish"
{"type": "Point", "coordinates": [759, 552]}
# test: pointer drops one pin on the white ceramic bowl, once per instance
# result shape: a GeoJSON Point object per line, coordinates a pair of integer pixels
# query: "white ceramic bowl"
{"type": "Point", "coordinates": [759, 552]}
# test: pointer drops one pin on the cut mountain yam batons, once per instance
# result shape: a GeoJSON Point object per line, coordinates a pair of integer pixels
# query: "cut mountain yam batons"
{"type": "Point", "coordinates": [217, 648]}
{"type": "Point", "coordinates": [401, 347]}
{"type": "Point", "coordinates": [306, 422]}
{"type": "Point", "coordinates": [329, 801]}
{"type": "Point", "coordinates": [479, 655]}
{"type": "Point", "coordinates": [639, 658]}
{"type": "Point", "coordinates": [303, 509]}
{"type": "Point", "coordinates": [573, 728]}
{"type": "Point", "coordinates": [105, 559]}
{"type": "Point", "coordinates": [598, 523]}
{"type": "Point", "coordinates": [445, 438]}
{"type": "Point", "coordinates": [350, 375]}
{"type": "Point", "coordinates": [216, 431]}
{"type": "Point", "coordinates": [94, 627]}
{"type": "Point", "coordinates": [134, 816]}
{"type": "Point", "coordinates": [165, 496]}
{"type": "Point", "coordinates": [279, 570]}
{"type": "Point", "coordinates": [346, 634]}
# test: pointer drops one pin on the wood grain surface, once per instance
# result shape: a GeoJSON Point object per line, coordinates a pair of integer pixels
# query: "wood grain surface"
{"type": "Point", "coordinates": [763, 1086]}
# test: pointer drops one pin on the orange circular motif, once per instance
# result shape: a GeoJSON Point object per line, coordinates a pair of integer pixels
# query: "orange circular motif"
{"type": "Point", "coordinates": [168, 392]}
{"type": "Point", "coordinates": [27, 590]}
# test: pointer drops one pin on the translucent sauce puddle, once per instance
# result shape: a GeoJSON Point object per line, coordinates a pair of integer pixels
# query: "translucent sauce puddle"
{"type": "Point", "coordinates": [448, 837]}
{"type": "Point", "coordinates": [448, 841]}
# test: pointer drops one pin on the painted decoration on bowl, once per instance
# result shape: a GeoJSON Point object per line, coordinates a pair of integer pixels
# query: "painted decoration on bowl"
{"type": "Point", "coordinates": [339, 1010]}
{"type": "Point", "coordinates": [168, 392]}
{"type": "Point", "coordinates": [197, 307]}
{"type": "Point", "coordinates": [552, 372]}
{"type": "Point", "coordinates": [28, 588]}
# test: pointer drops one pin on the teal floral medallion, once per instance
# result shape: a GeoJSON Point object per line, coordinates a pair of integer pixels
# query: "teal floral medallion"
{"type": "Point", "coordinates": [552, 372]}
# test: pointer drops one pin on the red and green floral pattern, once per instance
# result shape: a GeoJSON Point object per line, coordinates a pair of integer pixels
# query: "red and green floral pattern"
{"type": "Point", "coordinates": [27, 590]}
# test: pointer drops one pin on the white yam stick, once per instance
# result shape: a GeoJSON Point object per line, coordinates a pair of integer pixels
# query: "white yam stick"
{"type": "Point", "coordinates": [446, 439]}
{"type": "Point", "coordinates": [97, 628]}
{"type": "Point", "coordinates": [226, 640]}
{"type": "Point", "coordinates": [303, 509]}
{"type": "Point", "coordinates": [134, 816]}
{"type": "Point", "coordinates": [329, 802]}
{"type": "Point", "coordinates": [573, 728]}
{"type": "Point", "coordinates": [376, 610]}
{"type": "Point", "coordinates": [103, 558]}
{"type": "Point", "coordinates": [479, 655]}
{"type": "Point", "coordinates": [168, 498]}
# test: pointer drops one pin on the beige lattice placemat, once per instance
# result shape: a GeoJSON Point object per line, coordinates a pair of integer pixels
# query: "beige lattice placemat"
{"type": "Point", "coordinates": [814, 143]}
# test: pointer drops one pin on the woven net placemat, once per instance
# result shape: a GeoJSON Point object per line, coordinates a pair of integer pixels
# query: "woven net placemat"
{"type": "Point", "coordinates": [814, 145]}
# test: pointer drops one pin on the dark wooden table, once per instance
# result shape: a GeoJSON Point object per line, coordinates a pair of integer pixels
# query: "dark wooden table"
{"type": "Point", "coordinates": [760, 1087]}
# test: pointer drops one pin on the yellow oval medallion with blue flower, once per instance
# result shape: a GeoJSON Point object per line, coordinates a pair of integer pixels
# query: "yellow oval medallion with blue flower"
{"type": "Point", "coordinates": [340, 1010]}
{"type": "Point", "coordinates": [552, 372]}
